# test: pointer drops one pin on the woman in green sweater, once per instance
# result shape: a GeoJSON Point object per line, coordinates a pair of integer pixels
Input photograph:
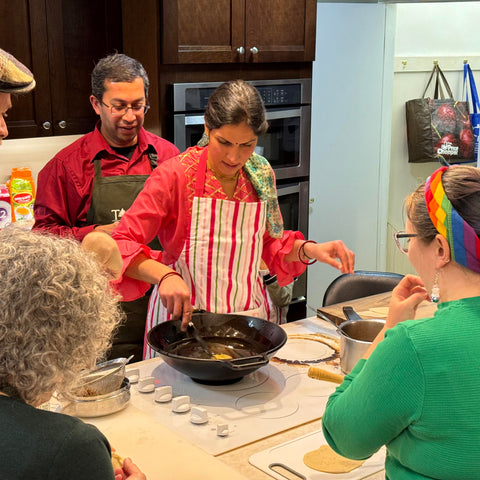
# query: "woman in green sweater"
{"type": "Point", "coordinates": [417, 389]}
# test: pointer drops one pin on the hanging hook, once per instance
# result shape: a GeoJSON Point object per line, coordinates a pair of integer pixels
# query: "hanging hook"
{"type": "Point", "coordinates": [404, 63]}
{"type": "Point", "coordinates": [435, 62]}
{"type": "Point", "coordinates": [465, 61]}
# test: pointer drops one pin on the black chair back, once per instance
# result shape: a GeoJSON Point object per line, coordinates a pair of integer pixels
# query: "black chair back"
{"type": "Point", "coordinates": [361, 283]}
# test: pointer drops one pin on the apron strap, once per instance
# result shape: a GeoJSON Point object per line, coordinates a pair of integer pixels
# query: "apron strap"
{"type": "Point", "coordinates": [97, 177]}
{"type": "Point", "coordinates": [152, 156]}
{"type": "Point", "coordinates": [201, 173]}
{"type": "Point", "coordinates": [97, 165]}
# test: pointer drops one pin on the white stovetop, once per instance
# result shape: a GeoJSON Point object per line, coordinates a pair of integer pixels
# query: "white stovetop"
{"type": "Point", "coordinates": [275, 398]}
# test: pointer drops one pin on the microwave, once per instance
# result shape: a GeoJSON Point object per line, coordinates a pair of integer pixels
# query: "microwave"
{"type": "Point", "coordinates": [286, 145]}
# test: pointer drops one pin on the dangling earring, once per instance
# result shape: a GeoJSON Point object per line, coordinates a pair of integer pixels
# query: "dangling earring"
{"type": "Point", "coordinates": [203, 142]}
{"type": "Point", "coordinates": [435, 295]}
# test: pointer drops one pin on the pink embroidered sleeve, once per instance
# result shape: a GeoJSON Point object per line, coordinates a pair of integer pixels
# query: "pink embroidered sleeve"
{"type": "Point", "coordinates": [159, 210]}
{"type": "Point", "coordinates": [274, 251]}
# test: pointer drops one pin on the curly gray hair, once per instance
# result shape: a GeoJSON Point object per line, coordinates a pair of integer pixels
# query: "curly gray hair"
{"type": "Point", "coordinates": [57, 313]}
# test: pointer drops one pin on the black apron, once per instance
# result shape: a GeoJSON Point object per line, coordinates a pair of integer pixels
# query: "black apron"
{"type": "Point", "coordinates": [111, 197]}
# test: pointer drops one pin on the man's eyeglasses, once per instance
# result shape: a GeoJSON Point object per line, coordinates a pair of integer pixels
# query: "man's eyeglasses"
{"type": "Point", "coordinates": [402, 239]}
{"type": "Point", "coordinates": [121, 110]}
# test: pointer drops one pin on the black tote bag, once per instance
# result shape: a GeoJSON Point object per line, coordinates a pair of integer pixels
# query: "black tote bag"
{"type": "Point", "coordinates": [439, 129]}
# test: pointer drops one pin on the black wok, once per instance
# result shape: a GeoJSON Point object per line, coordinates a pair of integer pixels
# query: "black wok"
{"type": "Point", "coordinates": [253, 342]}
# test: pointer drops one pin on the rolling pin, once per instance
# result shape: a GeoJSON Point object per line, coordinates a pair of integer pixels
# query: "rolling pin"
{"type": "Point", "coordinates": [321, 374]}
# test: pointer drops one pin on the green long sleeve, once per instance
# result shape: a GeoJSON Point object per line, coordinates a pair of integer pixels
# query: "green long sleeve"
{"type": "Point", "coordinates": [418, 394]}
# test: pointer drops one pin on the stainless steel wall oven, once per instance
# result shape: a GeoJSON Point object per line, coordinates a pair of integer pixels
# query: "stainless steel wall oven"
{"type": "Point", "coordinates": [286, 146]}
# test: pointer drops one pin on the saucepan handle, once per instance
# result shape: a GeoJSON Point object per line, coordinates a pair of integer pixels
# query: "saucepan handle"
{"type": "Point", "coordinates": [350, 314]}
{"type": "Point", "coordinates": [244, 363]}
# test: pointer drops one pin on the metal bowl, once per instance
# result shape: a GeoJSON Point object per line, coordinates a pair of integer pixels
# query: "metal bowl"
{"type": "Point", "coordinates": [105, 378]}
{"type": "Point", "coordinates": [97, 405]}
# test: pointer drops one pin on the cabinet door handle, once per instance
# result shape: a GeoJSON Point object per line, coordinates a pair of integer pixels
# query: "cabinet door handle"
{"type": "Point", "coordinates": [254, 50]}
{"type": "Point", "coordinates": [62, 124]}
{"type": "Point", "coordinates": [240, 50]}
{"type": "Point", "coordinates": [46, 125]}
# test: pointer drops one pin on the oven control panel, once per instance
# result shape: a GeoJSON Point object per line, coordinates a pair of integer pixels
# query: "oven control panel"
{"type": "Point", "coordinates": [193, 97]}
{"type": "Point", "coordinates": [280, 94]}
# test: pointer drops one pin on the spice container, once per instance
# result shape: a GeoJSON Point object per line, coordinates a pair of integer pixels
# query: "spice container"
{"type": "Point", "coordinates": [22, 193]}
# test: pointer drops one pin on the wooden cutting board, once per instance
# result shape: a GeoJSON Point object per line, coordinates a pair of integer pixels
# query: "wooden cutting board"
{"type": "Point", "coordinates": [376, 304]}
{"type": "Point", "coordinates": [286, 461]}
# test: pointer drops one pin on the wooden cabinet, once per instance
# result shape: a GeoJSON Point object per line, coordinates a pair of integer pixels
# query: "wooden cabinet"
{"type": "Point", "coordinates": [60, 41]}
{"type": "Point", "coordinates": [238, 31]}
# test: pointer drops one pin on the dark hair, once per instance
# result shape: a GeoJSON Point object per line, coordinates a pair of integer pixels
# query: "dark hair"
{"type": "Point", "coordinates": [462, 187]}
{"type": "Point", "coordinates": [117, 68]}
{"type": "Point", "coordinates": [235, 102]}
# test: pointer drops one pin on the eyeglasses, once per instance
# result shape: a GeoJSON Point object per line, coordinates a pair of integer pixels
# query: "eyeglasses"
{"type": "Point", "coordinates": [121, 110]}
{"type": "Point", "coordinates": [402, 239]}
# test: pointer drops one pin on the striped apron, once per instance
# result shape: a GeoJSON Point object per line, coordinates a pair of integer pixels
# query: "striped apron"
{"type": "Point", "coordinates": [220, 260]}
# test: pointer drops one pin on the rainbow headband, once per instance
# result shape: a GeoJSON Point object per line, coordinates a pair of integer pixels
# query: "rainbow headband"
{"type": "Point", "coordinates": [462, 238]}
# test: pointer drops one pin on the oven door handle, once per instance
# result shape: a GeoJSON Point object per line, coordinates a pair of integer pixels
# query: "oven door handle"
{"type": "Point", "coordinates": [279, 114]}
{"type": "Point", "coordinates": [271, 115]}
{"type": "Point", "coordinates": [194, 120]}
{"type": "Point", "coordinates": [288, 189]}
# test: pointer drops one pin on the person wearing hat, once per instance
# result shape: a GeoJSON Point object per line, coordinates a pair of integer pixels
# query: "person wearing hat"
{"type": "Point", "coordinates": [14, 78]}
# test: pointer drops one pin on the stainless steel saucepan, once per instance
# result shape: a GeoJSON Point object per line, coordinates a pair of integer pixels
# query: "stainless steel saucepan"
{"type": "Point", "coordinates": [356, 335]}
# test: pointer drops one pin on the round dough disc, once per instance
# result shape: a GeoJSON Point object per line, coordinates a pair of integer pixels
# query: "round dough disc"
{"type": "Point", "coordinates": [324, 459]}
{"type": "Point", "coordinates": [117, 461]}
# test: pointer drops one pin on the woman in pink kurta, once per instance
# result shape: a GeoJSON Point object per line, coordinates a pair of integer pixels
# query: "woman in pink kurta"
{"type": "Point", "coordinates": [215, 212]}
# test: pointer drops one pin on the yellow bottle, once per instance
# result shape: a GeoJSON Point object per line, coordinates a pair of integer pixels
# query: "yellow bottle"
{"type": "Point", "coordinates": [22, 194]}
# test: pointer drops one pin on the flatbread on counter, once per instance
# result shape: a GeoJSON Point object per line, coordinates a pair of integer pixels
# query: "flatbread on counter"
{"type": "Point", "coordinates": [324, 459]}
{"type": "Point", "coordinates": [117, 461]}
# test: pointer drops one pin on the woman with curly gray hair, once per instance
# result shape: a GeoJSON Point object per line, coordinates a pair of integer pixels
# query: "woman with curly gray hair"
{"type": "Point", "coordinates": [57, 315]}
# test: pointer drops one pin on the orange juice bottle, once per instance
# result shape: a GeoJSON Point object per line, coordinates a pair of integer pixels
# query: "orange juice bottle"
{"type": "Point", "coordinates": [22, 194]}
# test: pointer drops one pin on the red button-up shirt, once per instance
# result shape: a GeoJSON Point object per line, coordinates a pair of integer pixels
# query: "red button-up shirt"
{"type": "Point", "coordinates": [64, 185]}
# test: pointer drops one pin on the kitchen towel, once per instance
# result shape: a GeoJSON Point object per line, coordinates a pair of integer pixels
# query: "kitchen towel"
{"type": "Point", "coordinates": [439, 128]}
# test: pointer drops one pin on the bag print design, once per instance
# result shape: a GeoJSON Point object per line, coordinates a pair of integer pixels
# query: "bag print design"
{"type": "Point", "coordinates": [452, 134]}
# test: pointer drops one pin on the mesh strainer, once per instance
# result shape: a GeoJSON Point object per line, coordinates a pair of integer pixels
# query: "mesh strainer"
{"type": "Point", "coordinates": [106, 377]}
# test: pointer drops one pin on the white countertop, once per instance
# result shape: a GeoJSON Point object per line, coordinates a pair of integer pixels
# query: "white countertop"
{"type": "Point", "coordinates": [160, 453]}
{"type": "Point", "coordinates": [165, 454]}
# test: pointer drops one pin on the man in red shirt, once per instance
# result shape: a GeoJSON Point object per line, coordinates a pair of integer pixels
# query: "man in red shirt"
{"type": "Point", "coordinates": [91, 183]}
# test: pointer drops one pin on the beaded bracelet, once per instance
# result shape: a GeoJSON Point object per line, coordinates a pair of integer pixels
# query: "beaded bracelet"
{"type": "Point", "coordinates": [167, 275]}
{"type": "Point", "coordinates": [301, 251]}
